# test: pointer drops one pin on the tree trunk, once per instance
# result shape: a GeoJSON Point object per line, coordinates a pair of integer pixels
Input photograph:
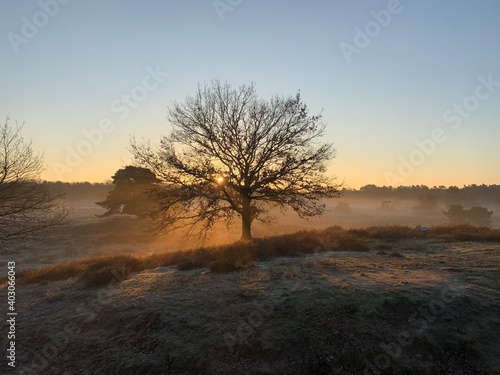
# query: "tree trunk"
{"type": "Point", "coordinates": [246, 218]}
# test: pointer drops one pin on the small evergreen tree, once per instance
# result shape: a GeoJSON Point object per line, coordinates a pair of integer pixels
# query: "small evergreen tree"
{"type": "Point", "coordinates": [131, 192]}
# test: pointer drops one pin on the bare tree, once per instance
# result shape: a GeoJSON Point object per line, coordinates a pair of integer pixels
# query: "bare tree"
{"type": "Point", "coordinates": [27, 206]}
{"type": "Point", "coordinates": [232, 154]}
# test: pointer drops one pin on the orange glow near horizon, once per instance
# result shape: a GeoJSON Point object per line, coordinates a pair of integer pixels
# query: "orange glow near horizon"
{"type": "Point", "coordinates": [352, 174]}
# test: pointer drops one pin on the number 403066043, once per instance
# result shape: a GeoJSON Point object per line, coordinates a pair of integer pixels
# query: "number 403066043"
{"type": "Point", "coordinates": [11, 296]}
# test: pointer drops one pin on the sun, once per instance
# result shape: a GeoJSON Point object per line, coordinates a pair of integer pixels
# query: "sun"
{"type": "Point", "coordinates": [220, 180]}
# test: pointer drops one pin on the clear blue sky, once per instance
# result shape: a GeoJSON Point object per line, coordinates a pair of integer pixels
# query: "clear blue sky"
{"type": "Point", "coordinates": [67, 74]}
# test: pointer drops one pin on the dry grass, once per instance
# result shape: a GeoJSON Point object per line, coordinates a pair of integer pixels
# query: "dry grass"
{"type": "Point", "coordinates": [325, 314]}
{"type": "Point", "coordinates": [99, 271]}
{"type": "Point", "coordinates": [453, 233]}
{"type": "Point", "coordinates": [104, 271]}
{"type": "Point", "coordinates": [465, 232]}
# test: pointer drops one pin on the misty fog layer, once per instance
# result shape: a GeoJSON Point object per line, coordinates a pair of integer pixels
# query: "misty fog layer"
{"type": "Point", "coordinates": [87, 234]}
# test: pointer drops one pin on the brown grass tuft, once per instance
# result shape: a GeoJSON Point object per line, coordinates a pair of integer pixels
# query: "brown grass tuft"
{"type": "Point", "coordinates": [349, 242]}
{"type": "Point", "coordinates": [111, 269]}
{"type": "Point", "coordinates": [233, 257]}
{"type": "Point", "coordinates": [465, 232]}
{"type": "Point", "coordinates": [392, 232]}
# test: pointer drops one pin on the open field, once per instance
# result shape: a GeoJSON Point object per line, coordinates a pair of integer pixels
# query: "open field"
{"type": "Point", "coordinates": [402, 303]}
{"type": "Point", "coordinates": [87, 235]}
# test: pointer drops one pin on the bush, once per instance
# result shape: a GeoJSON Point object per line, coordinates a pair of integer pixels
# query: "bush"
{"type": "Point", "coordinates": [105, 271]}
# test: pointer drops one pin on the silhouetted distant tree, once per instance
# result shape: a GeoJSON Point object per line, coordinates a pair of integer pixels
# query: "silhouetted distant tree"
{"type": "Point", "coordinates": [456, 214]}
{"type": "Point", "coordinates": [479, 216]}
{"type": "Point", "coordinates": [231, 153]}
{"type": "Point", "coordinates": [131, 192]}
{"type": "Point", "coordinates": [27, 206]}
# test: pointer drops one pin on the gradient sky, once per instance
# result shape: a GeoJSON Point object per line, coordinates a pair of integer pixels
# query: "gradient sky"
{"type": "Point", "coordinates": [65, 76]}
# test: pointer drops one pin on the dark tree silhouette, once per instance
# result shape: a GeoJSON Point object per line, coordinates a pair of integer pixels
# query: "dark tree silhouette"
{"type": "Point", "coordinates": [131, 192]}
{"type": "Point", "coordinates": [27, 206]}
{"type": "Point", "coordinates": [232, 154]}
{"type": "Point", "coordinates": [479, 216]}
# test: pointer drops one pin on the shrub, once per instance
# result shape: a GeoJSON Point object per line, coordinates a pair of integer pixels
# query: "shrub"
{"type": "Point", "coordinates": [105, 271]}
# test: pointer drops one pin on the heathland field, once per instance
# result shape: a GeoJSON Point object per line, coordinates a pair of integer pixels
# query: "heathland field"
{"type": "Point", "coordinates": [378, 300]}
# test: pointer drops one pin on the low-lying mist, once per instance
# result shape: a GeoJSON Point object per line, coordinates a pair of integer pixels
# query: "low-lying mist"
{"type": "Point", "coordinates": [86, 234]}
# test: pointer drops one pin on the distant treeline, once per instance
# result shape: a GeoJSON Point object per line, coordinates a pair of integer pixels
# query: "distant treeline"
{"type": "Point", "coordinates": [82, 191]}
{"type": "Point", "coordinates": [468, 194]}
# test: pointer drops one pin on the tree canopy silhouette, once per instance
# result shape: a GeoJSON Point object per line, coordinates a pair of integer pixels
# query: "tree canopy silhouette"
{"type": "Point", "coordinates": [231, 153]}
{"type": "Point", "coordinates": [477, 215]}
{"type": "Point", "coordinates": [130, 194]}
